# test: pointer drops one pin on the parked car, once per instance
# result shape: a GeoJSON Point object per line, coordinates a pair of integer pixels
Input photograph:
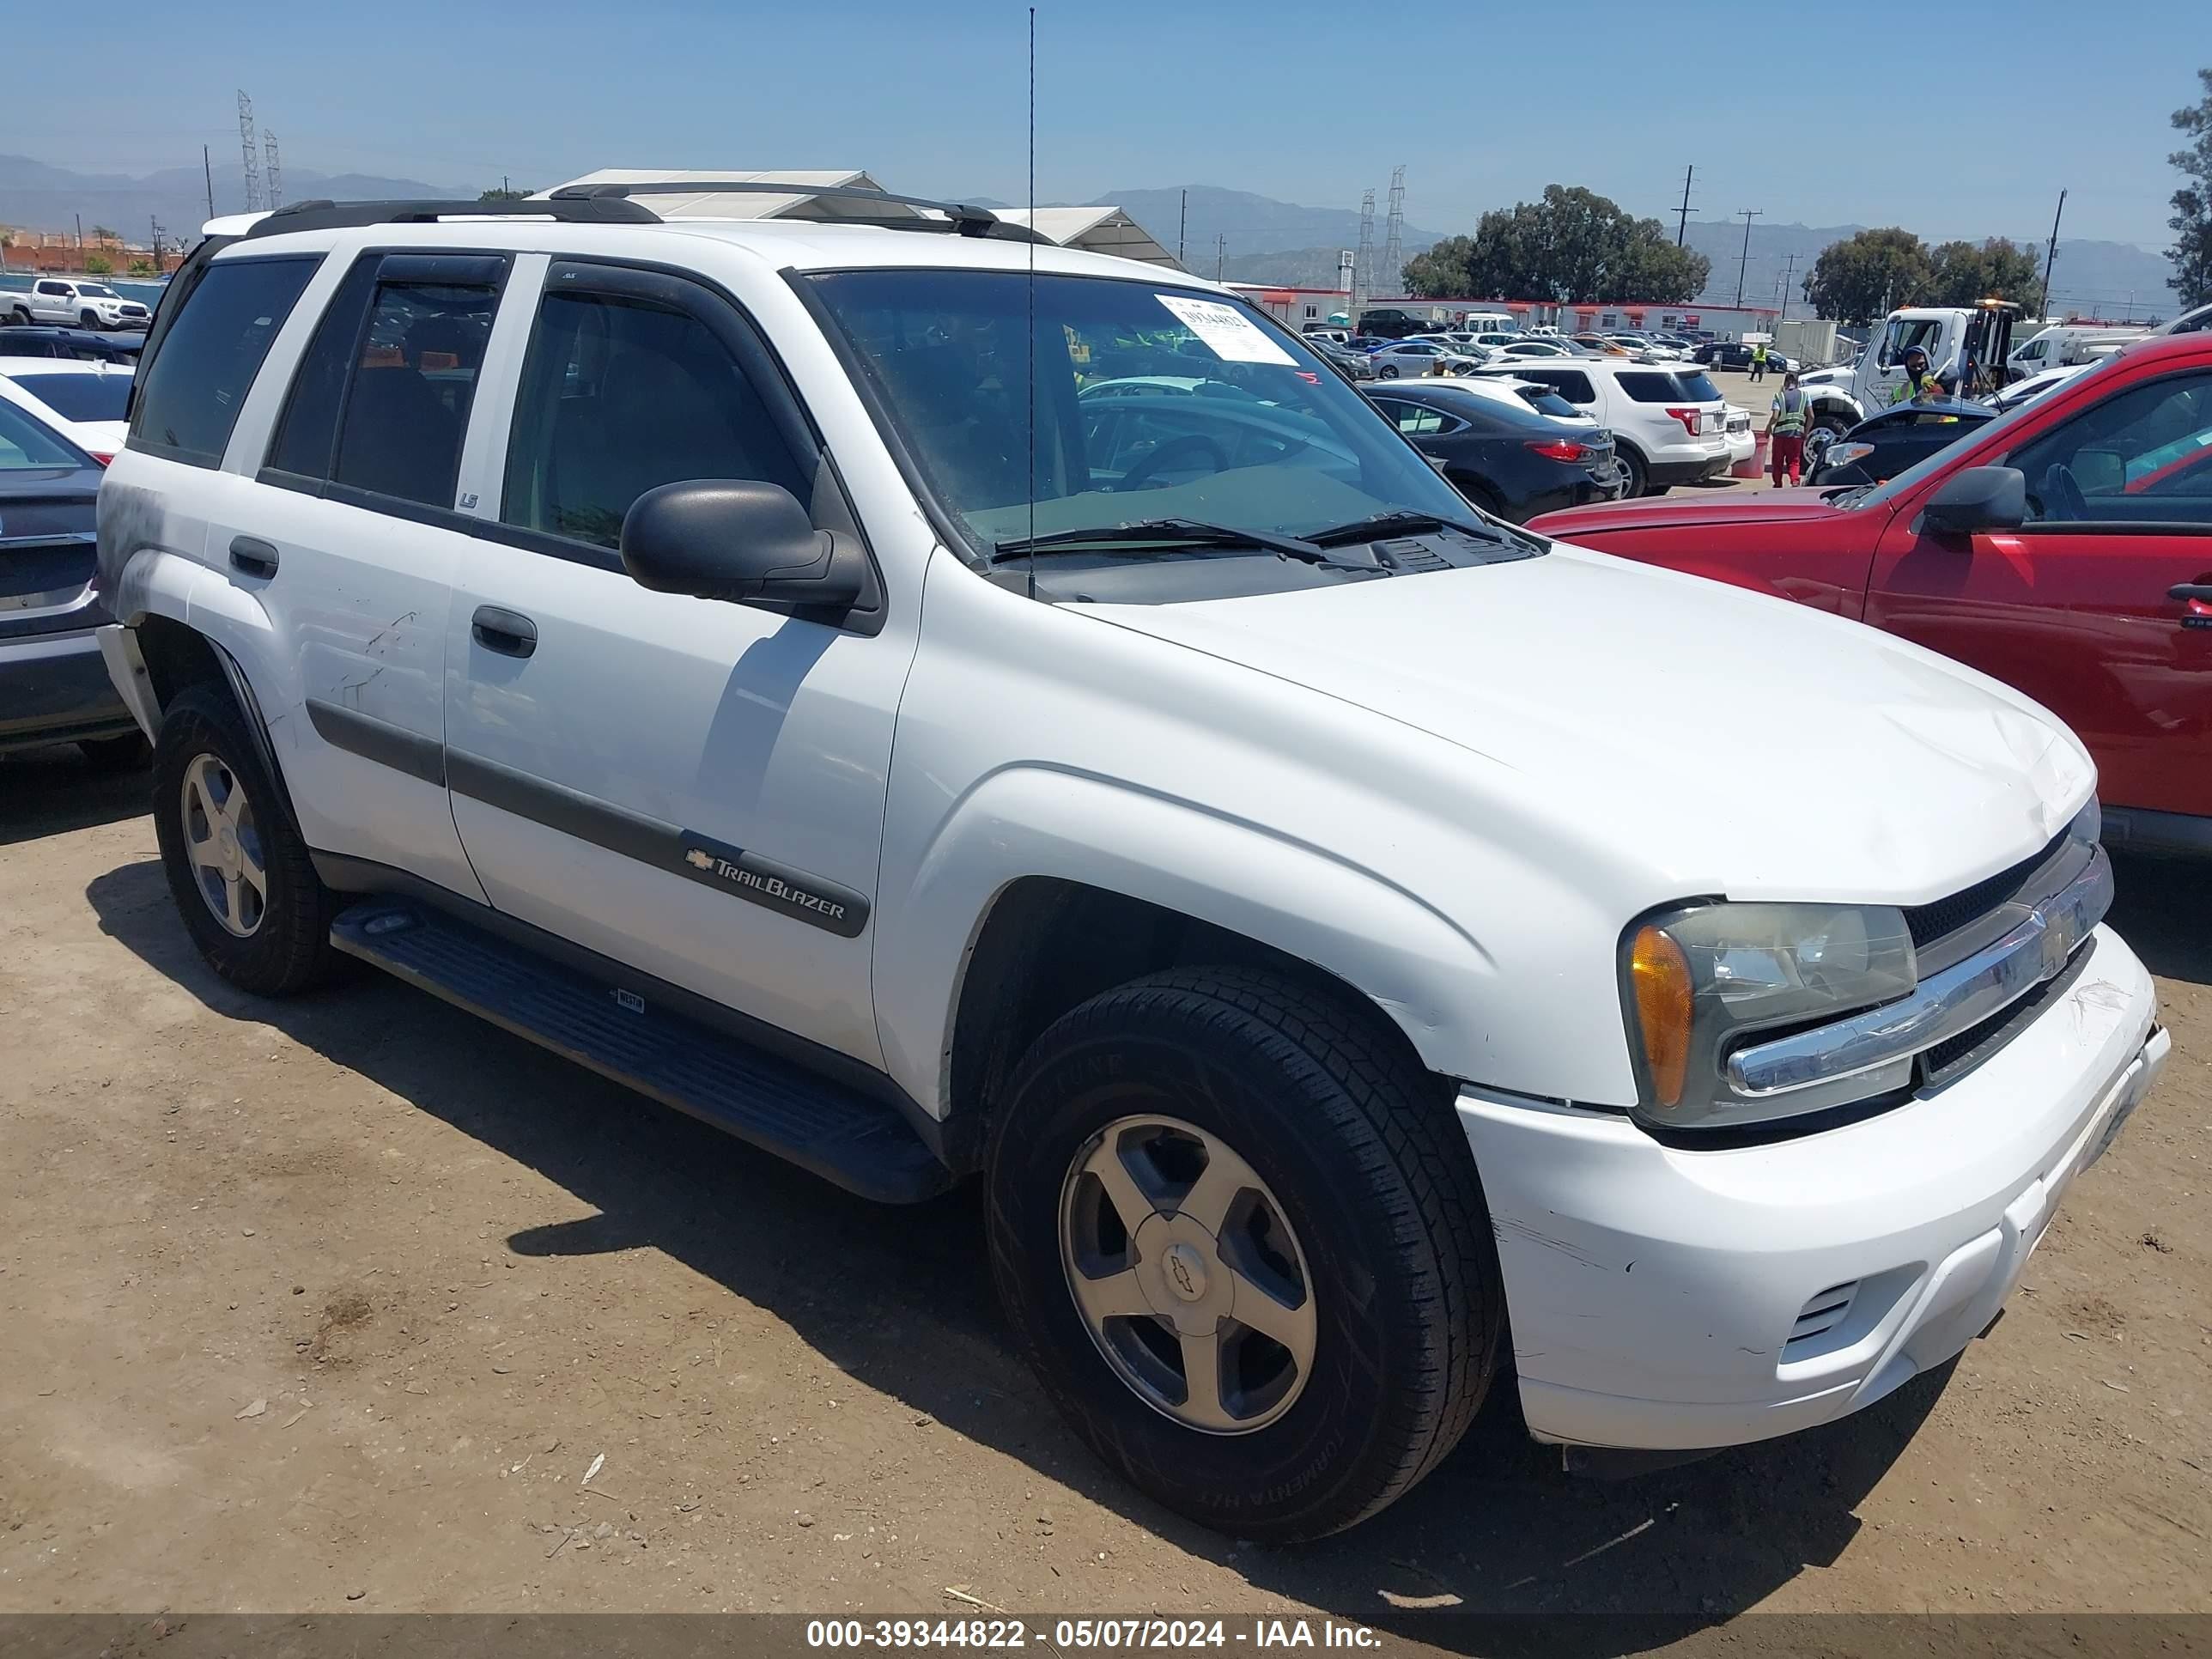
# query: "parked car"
{"type": "Point", "coordinates": [1641, 345]}
{"type": "Point", "coordinates": [87, 345]}
{"type": "Point", "coordinates": [1668, 422]}
{"type": "Point", "coordinates": [1420, 357]}
{"type": "Point", "coordinates": [53, 685]}
{"type": "Point", "coordinates": [1352, 364]}
{"type": "Point", "coordinates": [1599, 345]}
{"type": "Point", "coordinates": [2190, 322]}
{"type": "Point", "coordinates": [1736, 429]}
{"type": "Point", "coordinates": [86, 401]}
{"type": "Point", "coordinates": [1503, 456]}
{"type": "Point", "coordinates": [2028, 389]}
{"type": "Point", "coordinates": [74, 300]}
{"type": "Point", "coordinates": [1734, 354]}
{"type": "Point", "coordinates": [2064, 548]}
{"type": "Point", "coordinates": [1883, 447]}
{"type": "Point", "coordinates": [1336, 928]}
{"type": "Point", "coordinates": [1391, 323]}
{"type": "Point", "coordinates": [1533, 347]}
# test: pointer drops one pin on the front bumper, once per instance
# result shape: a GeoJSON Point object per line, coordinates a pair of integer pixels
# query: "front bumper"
{"type": "Point", "coordinates": [54, 688]}
{"type": "Point", "coordinates": [1670, 1299]}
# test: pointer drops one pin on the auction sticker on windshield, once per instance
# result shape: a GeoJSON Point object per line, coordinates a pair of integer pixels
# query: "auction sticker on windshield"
{"type": "Point", "coordinates": [1226, 330]}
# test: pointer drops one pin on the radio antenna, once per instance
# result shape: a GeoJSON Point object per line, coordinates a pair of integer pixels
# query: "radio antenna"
{"type": "Point", "coordinates": [1029, 354]}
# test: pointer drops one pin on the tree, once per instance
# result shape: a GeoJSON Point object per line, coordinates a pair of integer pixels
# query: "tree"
{"type": "Point", "coordinates": [1864, 277]}
{"type": "Point", "coordinates": [142, 266]}
{"type": "Point", "coordinates": [502, 196]}
{"type": "Point", "coordinates": [2191, 223]}
{"type": "Point", "coordinates": [102, 234]}
{"type": "Point", "coordinates": [1997, 270]}
{"type": "Point", "coordinates": [1573, 244]}
{"type": "Point", "coordinates": [98, 264]}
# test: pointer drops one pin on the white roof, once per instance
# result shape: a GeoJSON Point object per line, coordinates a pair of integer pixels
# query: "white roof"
{"type": "Point", "coordinates": [10, 367]}
{"type": "Point", "coordinates": [1095, 230]}
{"type": "Point", "coordinates": [746, 204]}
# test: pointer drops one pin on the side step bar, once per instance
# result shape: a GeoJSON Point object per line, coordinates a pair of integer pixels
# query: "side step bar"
{"type": "Point", "coordinates": [860, 1143]}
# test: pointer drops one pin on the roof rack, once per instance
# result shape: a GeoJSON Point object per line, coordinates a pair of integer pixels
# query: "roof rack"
{"type": "Point", "coordinates": [959, 218]}
{"type": "Point", "coordinates": [321, 215]}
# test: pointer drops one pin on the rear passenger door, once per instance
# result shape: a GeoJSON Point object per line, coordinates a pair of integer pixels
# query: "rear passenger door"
{"type": "Point", "coordinates": [693, 788]}
{"type": "Point", "coordinates": [349, 538]}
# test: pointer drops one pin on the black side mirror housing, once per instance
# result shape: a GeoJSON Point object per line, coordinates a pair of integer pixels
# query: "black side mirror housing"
{"type": "Point", "coordinates": [741, 541]}
{"type": "Point", "coordinates": [1978, 498]}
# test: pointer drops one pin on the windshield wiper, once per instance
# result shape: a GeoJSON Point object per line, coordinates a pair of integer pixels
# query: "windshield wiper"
{"type": "Point", "coordinates": [1378, 525]}
{"type": "Point", "coordinates": [1170, 533]}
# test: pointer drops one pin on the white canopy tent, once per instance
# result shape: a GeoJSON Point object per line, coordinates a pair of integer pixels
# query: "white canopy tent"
{"type": "Point", "coordinates": [1095, 230]}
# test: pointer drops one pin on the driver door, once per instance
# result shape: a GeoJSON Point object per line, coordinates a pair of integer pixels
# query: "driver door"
{"type": "Point", "coordinates": [2080, 608]}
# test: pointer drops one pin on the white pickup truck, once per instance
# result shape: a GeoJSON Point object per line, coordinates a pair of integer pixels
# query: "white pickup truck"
{"type": "Point", "coordinates": [1338, 929]}
{"type": "Point", "coordinates": [72, 303]}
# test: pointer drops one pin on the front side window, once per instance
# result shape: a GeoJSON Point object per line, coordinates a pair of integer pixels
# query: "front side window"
{"type": "Point", "coordinates": [620, 395]}
{"type": "Point", "coordinates": [198, 379]}
{"type": "Point", "coordinates": [947, 355]}
{"type": "Point", "coordinates": [1905, 332]}
{"type": "Point", "coordinates": [2144, 456]}
{"type": "Point", "coordinates": [407, 408]}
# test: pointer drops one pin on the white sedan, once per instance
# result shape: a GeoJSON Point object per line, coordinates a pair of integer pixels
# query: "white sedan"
{"type": "Point", "coordinates": [1413, 357]}
{"type": "Point", "coordinates": [85, 402]}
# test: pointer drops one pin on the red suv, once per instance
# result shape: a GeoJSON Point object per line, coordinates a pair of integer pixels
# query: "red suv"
{"type": "Point", "coordinates": [2065, 548]}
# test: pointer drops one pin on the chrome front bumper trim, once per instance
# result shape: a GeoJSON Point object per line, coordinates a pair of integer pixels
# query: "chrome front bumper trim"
{"type": "Point", "coordinates": [2035, 949]}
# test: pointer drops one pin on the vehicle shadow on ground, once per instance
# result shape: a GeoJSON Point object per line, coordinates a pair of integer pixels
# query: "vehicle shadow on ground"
{"type": "Point", "coordinates": [900, 1299]}
{"type": "Point", "coordinates": [50, 791]}
{"type": "Point", "coordinates": [2160, 907]}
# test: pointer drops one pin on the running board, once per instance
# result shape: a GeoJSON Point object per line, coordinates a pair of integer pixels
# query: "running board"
{"type": "Point", "coordinates": [860, 1143]}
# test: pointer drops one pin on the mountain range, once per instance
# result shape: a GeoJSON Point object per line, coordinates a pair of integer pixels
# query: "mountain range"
{"type": "Point", "coordinates": [1248, 237]}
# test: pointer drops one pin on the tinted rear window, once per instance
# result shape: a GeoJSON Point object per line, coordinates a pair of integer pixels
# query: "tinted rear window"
{"type": "Point", "coordinates": [1545, 401]}
{"type": "Point", "coordinates": [208, 359]}
{"type": "Point", "coordinates": [79, 396]}
{"type": "Point", "coordinates": [1652, 388]}
{"type": "Point", "coordinates": [1698, 387]}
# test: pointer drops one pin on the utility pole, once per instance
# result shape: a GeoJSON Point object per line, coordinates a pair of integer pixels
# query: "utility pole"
{"type": "Point", "coordinates": [275, 177]}
{"type": "Point", "coordinates": [1182, 226]}
{"type": "Point", "coordinates": [80, 232]}
{"type": "Point", "coordinates": [2051, 257]}
{"type": "Point", "coordinates": [154, 234]}
{"type": "Point", "coordinates": [1749, 214]}
{"type": "Point", "coordinates": [1220, 252]}
{"type": "Point", "coordinates": [1682, 217]}
{"type": "Point", "coordinates": [207, 170]}
{"type": "Point", "coordinates": [1786, 276]}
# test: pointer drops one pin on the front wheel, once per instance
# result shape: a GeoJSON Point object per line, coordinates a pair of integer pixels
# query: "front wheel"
{"type": "Point", "coordinates": [1241, 1238]}
{"type": "Point", "coordinates": [88, 320]}
{"type": "Point", "coordinates": [239, 873]}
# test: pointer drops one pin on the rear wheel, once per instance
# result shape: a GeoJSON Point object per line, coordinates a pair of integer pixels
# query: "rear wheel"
{"type": "Point", "coordinates": [1388, 372]}
{"type": "Point", "coordinates": [239, 872]}
{"type": "Point", "coordinates": [1640, 475]}
{"type": "Point", "coordinates": [1240, 1237]}
{"type": "Point", "coordinates": [19, 317]}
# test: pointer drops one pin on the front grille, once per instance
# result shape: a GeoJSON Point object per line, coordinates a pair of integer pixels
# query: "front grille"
{"type": "Point", "coordinates": [1955, 1056]}
{"type": "Point", "coordinates": [1947, 930]}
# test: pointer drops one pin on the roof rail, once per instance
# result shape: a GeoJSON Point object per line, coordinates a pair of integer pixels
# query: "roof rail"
{"type": "Point", "coordinates": [320, 215]}
{"type": "Point", "coordinates": [959, 218]}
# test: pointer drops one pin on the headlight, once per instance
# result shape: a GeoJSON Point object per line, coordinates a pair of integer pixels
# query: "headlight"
{"type": "Point", "coordinates": [1845, 455]}
{"type": "Point", "coordinates": [1699, 981]}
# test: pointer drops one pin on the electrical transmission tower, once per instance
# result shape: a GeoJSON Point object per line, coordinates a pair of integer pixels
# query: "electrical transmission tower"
{"type": "Point", "coordinates": [1362, 262]}
{"type": "Point", "coordinates": [1393, 228]}
{"type": "Point", "coordinates": [275, 173]}
{"type": "Point", "coordinates": [252, 150]}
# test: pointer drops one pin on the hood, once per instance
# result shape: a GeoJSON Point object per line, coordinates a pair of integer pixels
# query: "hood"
{"type": "Point", "coordinates": [1667, 511]}
{"type": "Point", "coordinates": [1724, 741]}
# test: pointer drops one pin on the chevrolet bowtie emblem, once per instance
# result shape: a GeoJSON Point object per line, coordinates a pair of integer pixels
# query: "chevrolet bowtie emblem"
{"type": "Point", "coordinates": [698, 859]}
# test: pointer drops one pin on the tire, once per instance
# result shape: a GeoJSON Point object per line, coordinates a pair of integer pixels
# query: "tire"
{"type": "Point", "coordinates": [286, 949]}
{"type": "Point", "coordinates": [1640, 474]}
{"type": "Point", "coordinates": [1388, 372]}
{"type": "Point", "coordinates": [19, 317]}
{"type": "Point", "coordinates": [1355, 1150]}
{"type": "Point", "coordinates": [88, 320]}
{"type": "Point", "coordinates": [123, 754]}
{"type": "Point", "coordinates": [1481, 495]}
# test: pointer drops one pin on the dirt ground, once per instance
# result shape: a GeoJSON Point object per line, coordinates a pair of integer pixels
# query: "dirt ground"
{"type": "Point", "coordinates": [334, 1305]}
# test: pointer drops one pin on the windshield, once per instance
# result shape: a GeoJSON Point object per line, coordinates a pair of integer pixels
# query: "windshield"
{"type": "Point", "coordinates": [79, 396]}
{"type": "Point", "coordinates": [1151, 402]}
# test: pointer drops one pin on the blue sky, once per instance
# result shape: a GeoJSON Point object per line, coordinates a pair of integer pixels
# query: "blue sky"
{"type": "Point", "coordinates": [1137, 93]}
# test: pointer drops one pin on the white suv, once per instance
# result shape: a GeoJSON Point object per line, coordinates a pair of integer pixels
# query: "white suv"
{"type": "Point", "coordinates": [1668, 420]}
{"type": "Point", "coordinates": [1336, 927]}
{"type": "Point", "coordinates": [74, 303]}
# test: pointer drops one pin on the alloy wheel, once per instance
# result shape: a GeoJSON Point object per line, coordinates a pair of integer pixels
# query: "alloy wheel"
{"type": "Point", "coordinates": [223, 843]}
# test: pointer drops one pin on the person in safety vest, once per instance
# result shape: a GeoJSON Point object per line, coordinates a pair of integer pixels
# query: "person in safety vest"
{"type": "Point", "coordinates": [1919, 385]}
{"type": "Point", "coordinates": [1758, 360]}
{"type": "Point", "coordinates": [1787, 419]}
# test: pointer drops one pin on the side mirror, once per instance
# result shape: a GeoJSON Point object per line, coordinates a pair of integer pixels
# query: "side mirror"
{"type": "Point", "coordinates": [740, 541]}
{"type": "Point", "coordinates": [1978, 498]}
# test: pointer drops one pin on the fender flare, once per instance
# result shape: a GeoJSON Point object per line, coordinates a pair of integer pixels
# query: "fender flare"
{"type": "Point", "coordinates": [1424, 971]}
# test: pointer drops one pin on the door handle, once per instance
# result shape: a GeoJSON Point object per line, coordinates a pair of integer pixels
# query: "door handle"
{"type": "Point", "coordinates": [253, 556]}
{"type": "Point", "coordinates": [507, 632]}
{"type": "Point", "coordinates": [2200, 591]}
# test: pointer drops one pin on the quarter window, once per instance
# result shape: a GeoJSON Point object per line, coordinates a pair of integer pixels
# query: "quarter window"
{"type": "Point", "coordinates": [190, 394]}
{"type": "Point", "coordinates": [619, 396]}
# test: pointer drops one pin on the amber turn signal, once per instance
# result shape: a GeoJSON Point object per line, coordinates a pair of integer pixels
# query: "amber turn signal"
{"type": "Point", "coordinates": [1659, 973]}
